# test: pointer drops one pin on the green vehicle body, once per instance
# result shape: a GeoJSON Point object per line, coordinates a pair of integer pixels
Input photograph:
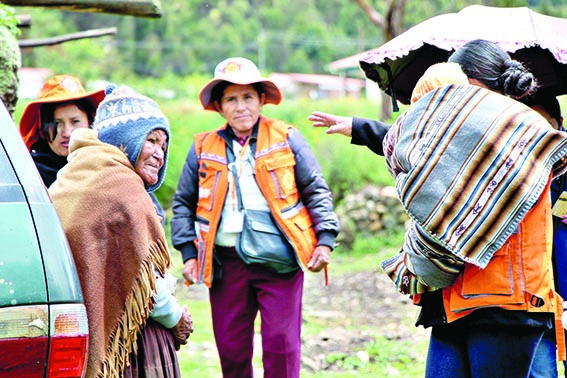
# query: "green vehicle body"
{"type": "Point", "coordinates": [43, 321]}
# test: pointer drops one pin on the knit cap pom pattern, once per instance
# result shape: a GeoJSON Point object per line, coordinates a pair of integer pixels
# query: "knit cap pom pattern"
{"type": "Point", "coordinates": [125, 118]}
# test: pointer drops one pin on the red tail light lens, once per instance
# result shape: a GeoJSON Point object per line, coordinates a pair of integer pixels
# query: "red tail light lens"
{"type": "Point", "coordinates": [23, 341]}
{"type": "Point", "coordinates": [69, 341]}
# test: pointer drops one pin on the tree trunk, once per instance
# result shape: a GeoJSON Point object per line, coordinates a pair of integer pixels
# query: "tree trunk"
{"type": "Point", "coordinates": [392, 25]}
{"type": "Point", "coordinates": [140, 8]}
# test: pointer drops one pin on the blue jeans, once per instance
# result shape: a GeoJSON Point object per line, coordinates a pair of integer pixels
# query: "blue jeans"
{"type": "Point", "coordinates": [544, 364]}
{"type": "Point", "coordinates": [504, 351]}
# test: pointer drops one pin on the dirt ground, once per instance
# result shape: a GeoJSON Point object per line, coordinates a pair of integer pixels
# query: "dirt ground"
{"type": "Point", "coordinates": [358, 308]}
{"type": "Point", "coordinates": [354, 310]}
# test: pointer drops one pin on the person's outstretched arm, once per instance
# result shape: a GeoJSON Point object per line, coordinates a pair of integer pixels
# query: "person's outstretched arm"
{"type": "Point", "coordinates": [363, 132]}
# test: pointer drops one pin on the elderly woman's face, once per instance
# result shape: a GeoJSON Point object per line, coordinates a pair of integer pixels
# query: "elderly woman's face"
{"type": "Point", "coordinates": [240, 105]}
{"type": "Point", "coordinates": [152, 157]}
{"type": "Point", "coordinates": [67, 117]}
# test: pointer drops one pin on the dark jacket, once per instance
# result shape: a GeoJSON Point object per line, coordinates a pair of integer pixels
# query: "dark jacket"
{"type": "Point", "coordinates": [48, 163]}
{"type": "Point", "coordinates": [558, 186]}
{"type": "Point", "coordinates": [370, 133]}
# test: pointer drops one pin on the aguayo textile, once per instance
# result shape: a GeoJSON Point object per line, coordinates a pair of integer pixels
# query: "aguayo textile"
{"type": "Point", "coordinates": [469, 164]}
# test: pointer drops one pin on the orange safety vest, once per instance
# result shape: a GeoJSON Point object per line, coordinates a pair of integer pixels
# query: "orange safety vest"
{"type": "Point", "coordinates": [518, 277]}
{"type": "Point", "coordinates": [274, 173]}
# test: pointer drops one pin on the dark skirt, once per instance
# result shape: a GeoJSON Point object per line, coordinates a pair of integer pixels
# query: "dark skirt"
{"type": "Point", "coordinates": [156, 357]}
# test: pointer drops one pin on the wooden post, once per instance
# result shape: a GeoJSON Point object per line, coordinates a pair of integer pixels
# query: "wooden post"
{"type": "Point", "coordinates": [24, 21]}
{"type": "Point", "coordinates": [139, 8]}
{"type": "Point", "coordinates": [66, 38]}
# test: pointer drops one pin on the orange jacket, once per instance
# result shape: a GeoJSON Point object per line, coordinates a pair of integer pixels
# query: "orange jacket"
{"type": "Point", "coordinates": [274, 172]}
{"type": "Point", "coordinates": [518, 277]}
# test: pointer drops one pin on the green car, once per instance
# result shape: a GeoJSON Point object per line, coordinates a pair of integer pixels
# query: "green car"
{"type": "Point", "coordinates": [43, 322]}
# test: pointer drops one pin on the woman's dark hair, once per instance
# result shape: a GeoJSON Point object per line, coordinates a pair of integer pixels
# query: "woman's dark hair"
{"type": "Point", "coordinates": [548, 102]}
{"type": "Point", "coordinates": [486, 62]}
{"type": "Point", "coordinates": [218, 90]}
{"type": "Point", "coordinates": [47, 115]}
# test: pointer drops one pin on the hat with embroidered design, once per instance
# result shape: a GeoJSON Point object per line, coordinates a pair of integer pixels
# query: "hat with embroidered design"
{"type": "Point", "coordinates": [240, 71]}
{"type": "Point", "coordinates": [58, 88]}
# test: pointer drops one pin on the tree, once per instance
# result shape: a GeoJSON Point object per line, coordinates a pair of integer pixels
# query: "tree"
{"type": "Point", "coordinates": [391, 24]}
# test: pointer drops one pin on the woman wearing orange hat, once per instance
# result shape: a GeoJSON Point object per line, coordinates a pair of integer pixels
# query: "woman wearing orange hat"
{"type": "Point", "coordinates": [46, 124]}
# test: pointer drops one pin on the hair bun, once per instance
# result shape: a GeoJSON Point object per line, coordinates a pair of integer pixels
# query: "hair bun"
{"type": "Point", "coordinates": [511, 64]}
{"type": "Point", "coordinates": [516, 80]}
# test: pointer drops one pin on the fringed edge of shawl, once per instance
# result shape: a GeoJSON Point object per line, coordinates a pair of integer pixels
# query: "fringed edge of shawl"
{"type": "Point", "coordinates": [138, 306]}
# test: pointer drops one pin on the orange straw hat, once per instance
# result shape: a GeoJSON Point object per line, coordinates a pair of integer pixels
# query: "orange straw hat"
{"type": "Point", "coordinates": [238, 71]}
{"type": "Point", "coordinates": [59, 88]}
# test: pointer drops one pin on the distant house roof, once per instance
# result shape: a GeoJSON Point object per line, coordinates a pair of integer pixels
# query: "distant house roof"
{"type": "Point", "coordinates": [348, 63]}
{"type": "Point", "coordinates": [326, 82]}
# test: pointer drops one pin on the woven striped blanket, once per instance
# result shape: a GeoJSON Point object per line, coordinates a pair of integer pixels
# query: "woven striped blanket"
{"type": "Point", "coordinates": [469, 164]}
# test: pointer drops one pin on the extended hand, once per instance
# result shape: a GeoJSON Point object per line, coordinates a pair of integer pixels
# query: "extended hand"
{"type": "Point", "coordinates": [321, 258]}
{"type": "Point", "coordinates": [335, 124]}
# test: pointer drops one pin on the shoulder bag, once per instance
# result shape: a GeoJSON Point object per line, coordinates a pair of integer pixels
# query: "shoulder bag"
{"type": "Point", "coordinates": [261, 241]}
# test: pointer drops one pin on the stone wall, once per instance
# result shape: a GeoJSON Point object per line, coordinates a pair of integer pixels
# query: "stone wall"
{"type": "Point", "coordinates": [370, 212]}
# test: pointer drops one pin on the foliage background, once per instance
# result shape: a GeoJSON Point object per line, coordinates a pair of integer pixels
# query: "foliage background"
{"type": "Point", "coordinates": [170, 58]}
{"type": "Point", "coordinates": [193, 35]}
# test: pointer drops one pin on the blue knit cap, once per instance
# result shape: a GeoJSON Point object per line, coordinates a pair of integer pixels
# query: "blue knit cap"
{"type": "Point", "coordinates": [125, 118]}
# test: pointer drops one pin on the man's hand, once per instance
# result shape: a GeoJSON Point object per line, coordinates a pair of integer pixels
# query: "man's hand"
{"type": "Point", "coordinates": [321, 258]}
{"type": "Point", "coordinates": [335, 124]}
{"type": "Point", "coordinates": [190, 272]}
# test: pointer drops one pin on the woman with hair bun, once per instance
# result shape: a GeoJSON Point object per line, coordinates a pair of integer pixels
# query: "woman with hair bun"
{"type": "Point", "coordinates": [488, 66]}
{"type": "Point", "coordinates": [473, 169]}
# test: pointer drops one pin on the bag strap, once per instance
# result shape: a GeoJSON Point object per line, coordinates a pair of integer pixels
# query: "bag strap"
{"type": "Point", "coordinates": [232, 167]}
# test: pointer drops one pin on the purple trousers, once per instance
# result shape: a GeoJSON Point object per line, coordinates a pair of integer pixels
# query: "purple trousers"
{"type": "Point", "coordinates": [236, 299]}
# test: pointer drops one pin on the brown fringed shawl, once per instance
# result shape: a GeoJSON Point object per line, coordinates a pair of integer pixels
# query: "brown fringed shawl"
{"type": "Point", "coordinates": [116, 238]}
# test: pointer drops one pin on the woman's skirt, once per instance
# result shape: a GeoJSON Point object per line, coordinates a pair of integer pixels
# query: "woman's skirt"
{"type": "Point", "coordinates": [156, 356]}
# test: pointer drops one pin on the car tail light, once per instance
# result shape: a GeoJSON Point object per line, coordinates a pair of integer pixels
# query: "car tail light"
{"type": "Point", "coordinates": [23, 341]}
{"type": "Point", "coordinates": [25, 345]}
{"type": "Point", "coordinates": [69, 341]}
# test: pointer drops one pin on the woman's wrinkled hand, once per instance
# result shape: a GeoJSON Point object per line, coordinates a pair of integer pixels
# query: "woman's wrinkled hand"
{"type": "Point", "coordinates": [320, 259]}
{"type": "Point", "coordinates": [335, 124]}
{"type": "Point", "coordinates": [183, 329]}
